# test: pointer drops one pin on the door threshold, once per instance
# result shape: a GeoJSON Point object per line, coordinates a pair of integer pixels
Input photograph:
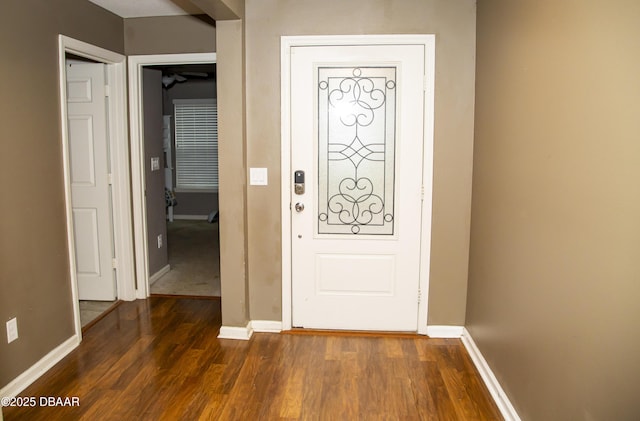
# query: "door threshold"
{"type": "Point", "coordinates": [196, 297]}
{"type": "Point", "coordinates": [354, 333]}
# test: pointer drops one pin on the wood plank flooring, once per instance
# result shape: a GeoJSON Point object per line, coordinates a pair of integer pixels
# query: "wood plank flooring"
{"type": "Point", "coordinates": [160, 359]}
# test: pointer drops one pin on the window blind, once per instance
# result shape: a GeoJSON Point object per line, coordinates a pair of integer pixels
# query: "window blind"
{"type": "Point", "coordinates": [196, 139]}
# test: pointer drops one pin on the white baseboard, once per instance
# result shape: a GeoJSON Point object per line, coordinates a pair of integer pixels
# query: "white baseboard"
{"type": "Point", "coordinates": [499, 396]}
{"type": "Point", "coordinates": [268, 326]}
{"type": "Point", "coordinates": [240, 333]}
{"type": "Point", "coordinates": [34, 372]}
{"type": "Point", "coordinates": [159, 274]}
{"type": "Point", "coordinates": [244, 333]}
{"type": "Point", "coordinates": [444, 331]}
{"type": "Point", "coordinates": [191, 217]}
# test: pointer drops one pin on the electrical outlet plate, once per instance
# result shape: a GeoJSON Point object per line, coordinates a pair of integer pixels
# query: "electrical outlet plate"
{"type": "Point", "coordinates": [12, 330]}
{"type": "Point", "coordinates": [160, 241]}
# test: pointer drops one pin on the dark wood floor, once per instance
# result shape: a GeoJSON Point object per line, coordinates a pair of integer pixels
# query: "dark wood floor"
{"type": "Point", "coordinates": [160, 359]}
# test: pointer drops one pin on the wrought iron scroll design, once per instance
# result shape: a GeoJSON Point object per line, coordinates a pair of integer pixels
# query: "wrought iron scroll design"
{"type": "Point", "coordinates": [356, 123]}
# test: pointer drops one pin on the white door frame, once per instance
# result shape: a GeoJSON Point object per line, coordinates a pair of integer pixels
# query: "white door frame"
{"type": "Point", "coordinates": [288, 42]}
{"type": "Point", "coordinates": [136, 63]}
{"type": "Point", "coordinates": [119, 155]}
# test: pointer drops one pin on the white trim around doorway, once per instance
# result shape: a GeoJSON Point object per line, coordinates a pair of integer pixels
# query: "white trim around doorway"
{"type": "Point", "coordinates": [136, 64]}
{"type": "Point", "coordinates": [287, 43]}
{"type": "Point", "coordinates": [119, 151]}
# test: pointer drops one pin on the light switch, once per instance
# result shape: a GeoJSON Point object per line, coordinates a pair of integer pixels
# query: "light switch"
{"type": "Point", "coordinates": [155, 163]}
{"type": "Point", "coordinates": [258, 176]}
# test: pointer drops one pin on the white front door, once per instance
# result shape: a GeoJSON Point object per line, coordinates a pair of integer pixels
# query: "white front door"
{"type": "Point", "coordinates": [90, 190]}
{"type": "Point", "coordinates": [357, 114]}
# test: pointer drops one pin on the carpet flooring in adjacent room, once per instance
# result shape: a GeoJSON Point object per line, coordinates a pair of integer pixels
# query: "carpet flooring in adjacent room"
{"type": "Point", "coordinates": [194, 257]}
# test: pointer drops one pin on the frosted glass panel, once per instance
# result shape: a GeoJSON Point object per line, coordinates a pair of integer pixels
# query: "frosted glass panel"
{"type": "Point", "coordinates": [356, 150]}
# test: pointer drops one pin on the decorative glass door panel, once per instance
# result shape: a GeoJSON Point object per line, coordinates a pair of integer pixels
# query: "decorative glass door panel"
{"type": "Point", "coordinates": [356, 150]}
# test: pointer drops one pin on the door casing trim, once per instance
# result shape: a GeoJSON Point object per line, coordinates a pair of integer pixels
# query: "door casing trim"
{"type": "Point", "coordinates": [288, 42]}
{"type": "Point", "coordinates": [119, 147]}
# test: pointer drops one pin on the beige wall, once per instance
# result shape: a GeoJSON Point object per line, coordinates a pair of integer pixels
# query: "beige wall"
{"type": "Point", "coordinates": [554, 278]}
{"type": "Point", "coordinates": [169, 35]}
{"type": "Point", "coordinates": [453, 22]}
{"type": "Point", "coordinates": [231, 167]}
{"type": "Point", "coordinates": [34, 264]}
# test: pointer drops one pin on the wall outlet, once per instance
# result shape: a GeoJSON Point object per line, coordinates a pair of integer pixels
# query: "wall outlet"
{"type": "Point", "coordinates": [160, 241]}
{"type": "Point", "coordinates": [12, 330]}
{"type": "Point", "coordinates": [155, 163]}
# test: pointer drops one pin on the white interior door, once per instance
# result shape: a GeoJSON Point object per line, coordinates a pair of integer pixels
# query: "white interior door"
{"type": "Point", "coordinates": [357, 134]}
{"type": "Point", "coordinates": [90, 189]}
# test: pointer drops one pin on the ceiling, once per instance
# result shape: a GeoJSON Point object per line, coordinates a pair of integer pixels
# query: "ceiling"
{"type": "Point", "coordinates": [145, 8]}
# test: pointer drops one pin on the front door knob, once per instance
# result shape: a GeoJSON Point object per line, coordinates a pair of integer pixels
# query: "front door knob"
{"type": "Point", "coordinates": [299, 207]}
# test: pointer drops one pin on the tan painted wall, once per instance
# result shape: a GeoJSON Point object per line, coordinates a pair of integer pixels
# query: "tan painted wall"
{"type": "Point", "coordinates": [231, 166]}
{"type": "Point", "coordinates": [554, 278]}
{"type": "Point", "coordinates": [169, 35]}
{"type": "Point", "coordinates": [453, 22]}
{"type": "Point", "coordinates": [34, 264]}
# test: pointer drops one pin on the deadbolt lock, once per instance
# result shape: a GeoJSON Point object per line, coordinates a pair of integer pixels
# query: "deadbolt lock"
{"type": "Point", "coordinates": [298, 182]}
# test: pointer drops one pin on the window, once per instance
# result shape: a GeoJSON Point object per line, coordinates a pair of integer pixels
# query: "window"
{"type": "Point", "coordinates": [196, 137]}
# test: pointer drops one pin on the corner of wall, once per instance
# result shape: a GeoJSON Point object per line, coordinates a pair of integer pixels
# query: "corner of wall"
{"type": "Point", "coordinates": [495, 389]}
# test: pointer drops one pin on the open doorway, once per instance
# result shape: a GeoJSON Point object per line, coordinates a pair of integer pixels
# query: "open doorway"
{"type": "Point", "coordinates": [182, 190]}
{"type": "Point", "coordinates": [176, 212]}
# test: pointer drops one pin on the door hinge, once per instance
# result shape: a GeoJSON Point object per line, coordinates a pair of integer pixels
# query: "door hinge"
{"type": "Point", "coordinates": [107, 90]}
{"type": "Point", "coordinates": [419, 295]}
{"type": "Point", "coordinates": [114, 263]}
{"type": "Point", "coordinates": [110, 179]}
{"type": "Point", "coordinates": [422, 193]}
